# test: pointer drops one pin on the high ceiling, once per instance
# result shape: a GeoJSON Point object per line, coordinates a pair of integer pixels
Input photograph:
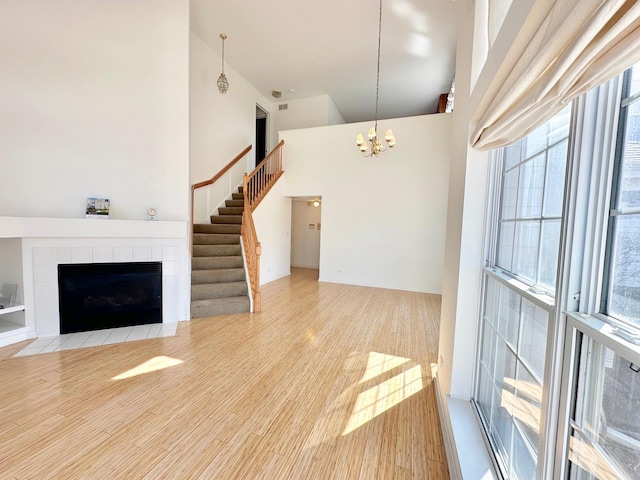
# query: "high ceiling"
{"type": "Point", "coordinates": [330, 46]}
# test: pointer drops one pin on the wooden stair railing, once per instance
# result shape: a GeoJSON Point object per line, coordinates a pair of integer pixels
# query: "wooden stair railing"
{"type": "Point", "coordinates": [213, 179]}
{"type": "Point", "coordinates": [255, 187]}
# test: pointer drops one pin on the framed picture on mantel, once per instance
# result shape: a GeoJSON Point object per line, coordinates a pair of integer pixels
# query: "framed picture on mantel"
{"type": "Point", "coordinates": [98, 208]}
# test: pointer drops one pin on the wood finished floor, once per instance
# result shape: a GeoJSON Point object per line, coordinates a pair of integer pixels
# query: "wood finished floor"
{"type": "Point", "coordinates": [329, 382]}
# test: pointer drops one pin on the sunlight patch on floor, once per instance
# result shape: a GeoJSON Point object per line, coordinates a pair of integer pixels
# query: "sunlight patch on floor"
{"type": "Point", "coordinates": [380, 398]}
{"type": "Point", "coordinates": [379, 363]}
{"type": "Point", "coordinates": [152, 365]}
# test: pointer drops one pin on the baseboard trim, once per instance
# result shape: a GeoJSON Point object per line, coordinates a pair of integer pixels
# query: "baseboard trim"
{"type": "Point", "coordinates": [455, 472]}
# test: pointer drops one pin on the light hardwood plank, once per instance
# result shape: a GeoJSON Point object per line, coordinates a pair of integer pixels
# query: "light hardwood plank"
{"type": "Point", "coordinates": [329, 381]}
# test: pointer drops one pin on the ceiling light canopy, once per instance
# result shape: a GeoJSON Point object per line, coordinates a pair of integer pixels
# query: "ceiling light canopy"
{"type": "Point", "coordinates": [373, 145]}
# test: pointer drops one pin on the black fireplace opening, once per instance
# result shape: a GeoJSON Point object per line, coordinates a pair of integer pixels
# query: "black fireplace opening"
{"type": "Point", "coordinates": [95, 296]}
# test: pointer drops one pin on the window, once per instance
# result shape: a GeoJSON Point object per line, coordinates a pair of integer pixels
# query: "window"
{"type": "Point", "coordinates": [510, 376]}
{"type": "Point", "coordinates": [558, 369]}
{"type": "Point", "coordinates": [557, 391]}
{"type": "Point", "coordinates": [604, 377]}
{"type": "Point", "coordinates": [622, 294]}
{"type": "Point", "coordinates": [518, 299]}
{"type": "Point", "coordinates": [533, 174]}
{"type": "Point", "coordinates": [605, 431]}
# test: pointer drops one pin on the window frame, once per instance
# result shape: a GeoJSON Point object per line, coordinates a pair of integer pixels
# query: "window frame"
{"type": "Point", "coordinates": [586, 250]}
{"type": "Point", "coordinates": [615, 212]}
{"type": "Point", "coordinates": [600, 330]}
{"type": "Point", "coordinates": [581, 261]}
{"type": "Point", "coordinates": [539, 297]}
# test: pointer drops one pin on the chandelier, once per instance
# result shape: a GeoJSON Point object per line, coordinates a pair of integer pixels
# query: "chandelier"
{"type": "Point", "coordinates": [373, 145]}
{"type": "Point", "coordinates": [223, 83]}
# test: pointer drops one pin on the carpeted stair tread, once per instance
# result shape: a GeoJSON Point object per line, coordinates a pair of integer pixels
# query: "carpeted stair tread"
{"type": "Point", "coordinates": [219, 306]}
{"type": "Point", "coordinates": [218, 275]}
{"type": "Point", "coordinates": [227, 219]}
{"type": "Point", "coordinates": [218, 283]}
{"type": "Point", "coordinates": [212, 263]}
{"type": "Point", "coordinates": [230, 210]}
{"type": "Point", "coordinates": [218, 228]}
{"type": "Point", "coordinates": [215, 239]}
{"type": "Point", "coordinates": [207, 291]}
{"type": "Point", "coordinates": [216, 250]}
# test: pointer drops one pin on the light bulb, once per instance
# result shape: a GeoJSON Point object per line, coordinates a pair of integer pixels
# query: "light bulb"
{"type": "Point", "coordinates": [372, 133]}
{"type": "Point", "coordinates": [388, 136]}
{"type": "Point", "coordinates": [359, 139]}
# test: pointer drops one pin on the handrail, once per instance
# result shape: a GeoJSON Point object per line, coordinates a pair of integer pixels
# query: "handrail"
{"type": "Point", "coordinates": [255, 186]}
{"type": "Point", "coordinates": [223, 171]}
{"type": "Point", "coordinates": [205, 183]}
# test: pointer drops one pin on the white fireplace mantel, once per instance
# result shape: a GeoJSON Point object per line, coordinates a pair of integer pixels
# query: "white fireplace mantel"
{"type": "Point", "coordinates": [33, 227]}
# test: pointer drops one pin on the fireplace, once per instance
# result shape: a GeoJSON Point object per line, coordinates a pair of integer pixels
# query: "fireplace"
{"type": "Point", "coordinates": [95, 296]}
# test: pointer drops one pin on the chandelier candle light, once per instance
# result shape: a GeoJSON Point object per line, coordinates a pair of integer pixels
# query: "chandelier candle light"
{"type": "Point", "coordinates": [374, 145]}
{"type": "Point", "coordinates": [223, 83]}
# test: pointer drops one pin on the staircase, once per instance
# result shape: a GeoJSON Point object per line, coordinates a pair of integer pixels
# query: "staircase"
{"type": "Point", "coordinates": [218, 283]}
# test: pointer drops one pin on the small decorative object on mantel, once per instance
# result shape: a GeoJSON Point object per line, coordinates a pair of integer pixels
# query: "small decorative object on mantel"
{"type": "Point", "coordinates": [152, 212]}
{"type": "Point", "coordinates": [98, 208]}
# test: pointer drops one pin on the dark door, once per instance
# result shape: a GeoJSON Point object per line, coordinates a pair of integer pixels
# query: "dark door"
{"type": "Point", "coordinates": [261, 139]}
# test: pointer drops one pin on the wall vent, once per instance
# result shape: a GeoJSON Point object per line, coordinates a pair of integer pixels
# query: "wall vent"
{"type": "Point", "coordinates": [283, 106]}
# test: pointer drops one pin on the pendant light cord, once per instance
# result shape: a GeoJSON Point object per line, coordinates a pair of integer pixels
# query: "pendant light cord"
{"type": "Point", "coordinates": [223, 54]}
{"type": "Point", "coordinates": [378, 73]}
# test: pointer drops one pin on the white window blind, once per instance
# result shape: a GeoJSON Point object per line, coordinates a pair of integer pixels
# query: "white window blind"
{"type": "Point", "coordinates": [570, 47]}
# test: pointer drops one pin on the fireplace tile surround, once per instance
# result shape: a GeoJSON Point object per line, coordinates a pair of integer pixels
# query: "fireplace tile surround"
{"type": "Point", "coordinates": [45, 243]}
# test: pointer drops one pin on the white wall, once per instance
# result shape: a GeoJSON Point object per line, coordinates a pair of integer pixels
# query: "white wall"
{"type": "Point", "coordinates": [272, 220]}
{"type": "Point", "coordinates": [305, 241]}
{"type": "Point", "coordinates": [94, 102]}
{"type": "Point", "coordinates": [467, 197]}
{"type": "Point", "coordinates": [308, 112]}
{"type": "Point", "coordinates": [384, 218]}
{"type": "Point", "coordinates": [334, 115]}
{"type": "Point", "coordinates": [222, 125]}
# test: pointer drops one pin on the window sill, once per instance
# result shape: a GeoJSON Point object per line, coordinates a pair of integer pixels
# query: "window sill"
{"type": "Point", "coordinates": [467, 453]}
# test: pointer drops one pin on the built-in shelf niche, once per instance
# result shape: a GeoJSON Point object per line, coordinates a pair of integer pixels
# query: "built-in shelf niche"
{"type": "Point", "coordinates": [12, 319]}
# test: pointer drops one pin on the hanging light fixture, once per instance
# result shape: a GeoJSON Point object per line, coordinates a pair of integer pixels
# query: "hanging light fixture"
{"type": "Point", "coordinates": [373, 146]}
{"type": "Point", "coordinates": [223, 83]}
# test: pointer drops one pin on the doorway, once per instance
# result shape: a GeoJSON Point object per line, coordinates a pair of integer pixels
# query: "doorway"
{"type": "Point", "coordinates": [261, 134]}
{"type": "Point", "coordinates": [306, 215]}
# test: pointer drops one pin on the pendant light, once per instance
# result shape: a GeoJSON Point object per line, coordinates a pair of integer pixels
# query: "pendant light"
{"type": "Point", "coordinates": [223, 83]}
{"type": "Point", "coordinates": [373, 145]}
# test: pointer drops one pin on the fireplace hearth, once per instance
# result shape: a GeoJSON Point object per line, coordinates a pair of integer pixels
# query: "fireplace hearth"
{"type": "Point", "coordinates": [95, 296]}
